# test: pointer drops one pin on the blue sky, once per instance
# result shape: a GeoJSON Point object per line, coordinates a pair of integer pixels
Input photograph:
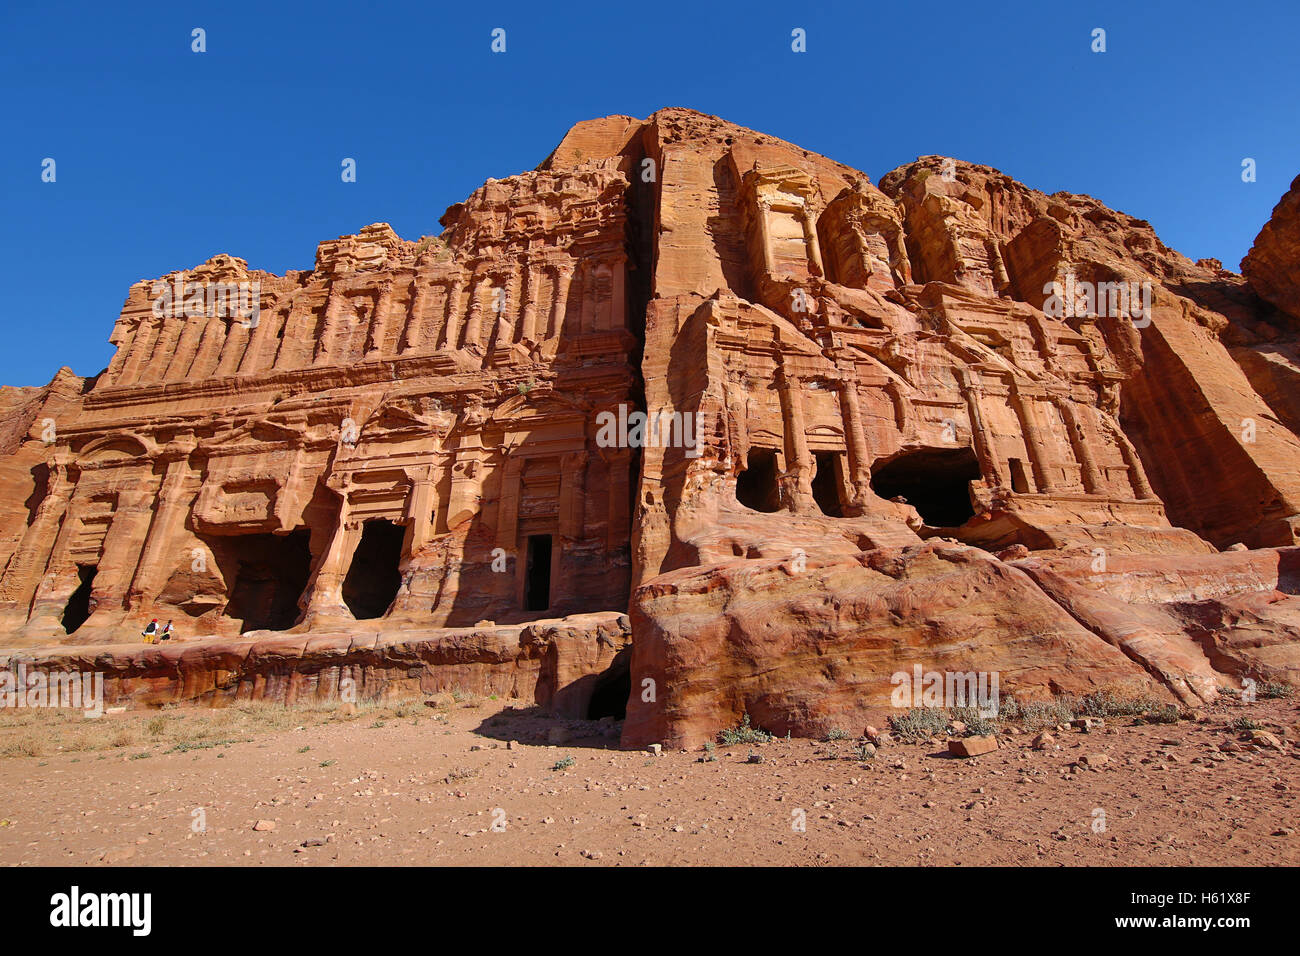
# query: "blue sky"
{"type": "Point", "coordinates": [166, 157]}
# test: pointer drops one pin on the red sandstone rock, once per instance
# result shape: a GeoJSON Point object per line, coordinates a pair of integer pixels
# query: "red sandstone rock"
{"type": "Point", "coordinates": [868, 392]}
{"type": "Point", "coordinates": [972, 746]}
{"type": "Point", "coordinates": [1270, 266]}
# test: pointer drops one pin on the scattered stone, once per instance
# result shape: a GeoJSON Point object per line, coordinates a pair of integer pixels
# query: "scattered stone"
{"type": "Point", "coordinates": [972, 746]}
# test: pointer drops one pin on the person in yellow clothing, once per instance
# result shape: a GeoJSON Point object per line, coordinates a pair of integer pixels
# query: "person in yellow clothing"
{"type": "Point", "coordinates": [151, 631]}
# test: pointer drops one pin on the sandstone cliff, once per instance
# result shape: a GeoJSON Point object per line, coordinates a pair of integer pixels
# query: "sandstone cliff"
{"type": "Point", "coordinates": [945, 421]}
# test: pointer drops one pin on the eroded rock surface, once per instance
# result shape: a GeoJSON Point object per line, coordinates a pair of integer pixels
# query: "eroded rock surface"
{"type": "Point", "coordinates": [947, 421]}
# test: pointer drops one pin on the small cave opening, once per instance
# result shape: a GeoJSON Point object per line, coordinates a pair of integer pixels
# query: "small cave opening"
{"type": "Point", "coordinates": [1019, 479]}
{"type": "Point", "coordinates": [373, 578]}
{"type": "Point", "coordinates": [77, 610]}
{"type": "Point", "coordinates": [826, 484]}
{"type": "Point", "coordinates": [935, 481]}
{"type": "Point", "coordinates": [271, 571]}
{"type": "Point", "coordinates": [613, 688]}
{"type": "Point", "coordinates": [756, 486]}
{"type": "Point", "coordinates": [537, 580]}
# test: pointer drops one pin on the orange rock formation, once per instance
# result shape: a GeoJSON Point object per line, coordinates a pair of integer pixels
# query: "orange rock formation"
{"type": "Point", "coordinates": [949, 422]}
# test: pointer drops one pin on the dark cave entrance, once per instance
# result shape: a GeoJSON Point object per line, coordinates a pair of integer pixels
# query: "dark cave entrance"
{"type": "Point", "coordinates": [272, 571]}
{"type": "Point", "coordinates": [77, 609]}
{"type": "Point", "coordinates": [826, 484]}
{"type": "Point", "coordinates": [935, 481]}
{"type": "Point", "coordinates": [373, 577]}
{"type": "Point", "coordinates": [1019, 479]}
{"type": "Point", "coordinates": [756, 486]}
{"type": "Point", "coordinates": [537, 580]}
{"type": "Point", "coordinates": [609, 698]}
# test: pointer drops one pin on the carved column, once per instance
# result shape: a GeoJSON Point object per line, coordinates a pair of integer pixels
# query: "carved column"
{"type": "Point", "coordinates": [334, 307]}
{"type": "Point", "coordinates": [379, 321]}
{"type": "Point", "coordinates": [1137, 474]}
{"type": "Point", "coordinates": [618, 528]}
{"type": "Point", "coordinates": [159, 362]}
{"type": "Point", "coordinates": [466, 481]}
{"type": "Point", "coordinates": [503, 298]}
{"type": "Point", "coordinates": [855, 432]}
{"type": "Point", "coordinates": [451, 325]}
{"type": "Point", "coordinates": [419, 511]}
{"type": "Point", "coordinates": [415, 322]}
{"type": "Point", "coordinates": [141, 346]}
{"type": "Point", "coordinates": [1093, 483]}
{"type": "Point", "coordinates": [206, 359]}
{"type": "Point", "coordinates": [765, 236]}
{"type": "Point", "coordinates": [33, 553]}
{"type": "Point", "coordinates": [60, 578]}
{"type": "Point", "coordinates": [1041, 456]}
{"type": "Point", "coordinates": [799, 463]}
{"type": "Point", "coordinates": [326, 589]}
{"type": "Point", "coordinates": [186, 347]}
{"type": "Point", "coordinates": [810, 242]}
{"type": "Point", "coordinates": [122, 546]}
{"type": "Point", "coordinates": [618, 307]}
{"type": "Point", "coordinates": [573, 479]}
{"type": "Point", "coordinates": [172, 506]}
{"type": "Point", "coordinates": [589, 302]}
{"type": "Point", "coordinates": [474, 324]}
{"type": "Point", "coordinates": [972, 392]}
{"type": "Point", "coordinates": [560, 304]}
{"type": "Point", "coordinates": [528, 322]}
{"type": "Point", "coordinates": [295, 343]}
{"type": "Point", "coordinates": [268, 323]}
{"type": "Point", "coordinates": [237, 335]}
{"type": "Point", "coordinates": [508, 504]}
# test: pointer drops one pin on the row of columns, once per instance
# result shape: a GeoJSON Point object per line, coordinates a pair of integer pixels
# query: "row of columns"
{"type": "Point", "coordinates": [172, 349]}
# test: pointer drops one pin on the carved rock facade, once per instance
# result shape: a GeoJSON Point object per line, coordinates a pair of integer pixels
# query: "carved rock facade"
{"type": "Point", "coordinates": [923, 423]}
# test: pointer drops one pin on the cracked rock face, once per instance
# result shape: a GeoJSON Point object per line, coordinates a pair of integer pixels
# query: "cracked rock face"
{"type": "Point", "coordinates": [806, 432]}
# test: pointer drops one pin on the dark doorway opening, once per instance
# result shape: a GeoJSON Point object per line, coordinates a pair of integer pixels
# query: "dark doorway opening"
{"type": "Point", "coordinates": [537, 583]}
{"type": "Point", "coordinates": [1019, 481]}
{"type": "Point", "coordinates": [271, 572]}
{"type": "Point", "coordinates": [935, 481]}
{"type": "Point", "coordinates": [77, 609]}
{"type": "Point", "coordinates": [373, 578]}
{"type": "Point", "coordinates": [609, 698]}
{"type": "Point", "coordinates": [826, 484]}
{"type": "Point", "coordinates": [756, 486]}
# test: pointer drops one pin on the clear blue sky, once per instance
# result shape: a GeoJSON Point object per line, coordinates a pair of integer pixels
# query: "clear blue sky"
{"type": "Point", "coordinates": [166, 157]}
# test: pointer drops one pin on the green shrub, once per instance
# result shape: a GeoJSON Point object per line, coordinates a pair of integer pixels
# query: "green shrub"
{"type": "Point", "coordinates": [1104, 703]}
{"type": "Point", "coordinates": [919, 723]}
{"type": "Point", "coordinates": [744, 734]}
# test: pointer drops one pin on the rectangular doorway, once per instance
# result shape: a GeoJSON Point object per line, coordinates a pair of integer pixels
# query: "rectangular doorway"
{"type": "Point", "coordinates": [537, 581]}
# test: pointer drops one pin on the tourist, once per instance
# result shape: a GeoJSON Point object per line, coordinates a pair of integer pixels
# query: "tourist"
{"type": "Point", "coordinates": [150, 631]}
{"type": "Point", "coordinates": [166, 632]}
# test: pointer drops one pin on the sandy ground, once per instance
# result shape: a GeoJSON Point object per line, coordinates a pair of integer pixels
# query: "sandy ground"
{"type": "Point", "coordinates": [446, 786]}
